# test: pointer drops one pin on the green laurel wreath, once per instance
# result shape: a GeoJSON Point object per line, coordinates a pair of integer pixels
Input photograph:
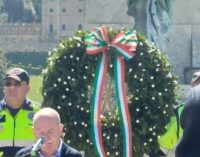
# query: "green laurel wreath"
{"type": "Point", "coordinates": [151, 90]}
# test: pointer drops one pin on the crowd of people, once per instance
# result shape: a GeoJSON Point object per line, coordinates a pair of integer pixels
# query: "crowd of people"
{"type": "Point", "coordinates": [35, 131]}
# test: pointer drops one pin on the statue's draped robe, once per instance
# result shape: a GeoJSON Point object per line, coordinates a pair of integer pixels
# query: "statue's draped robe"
{"type": "Point", "coordinates": [152, 19]}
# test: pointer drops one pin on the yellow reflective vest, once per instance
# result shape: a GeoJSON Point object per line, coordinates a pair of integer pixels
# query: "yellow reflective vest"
{"type": "Point", "coordinates": [174, 131]}
{"type": "Point", "coordinates": [16, 132]}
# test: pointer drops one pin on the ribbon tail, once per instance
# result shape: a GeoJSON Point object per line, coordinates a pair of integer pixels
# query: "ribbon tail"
{"type": "Point", "coordinates": [125, 120]}
{"type": "Point", "coordinates": [96, 105]}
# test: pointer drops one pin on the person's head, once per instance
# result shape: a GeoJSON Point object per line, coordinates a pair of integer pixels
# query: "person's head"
{"type": "Point", "coordinates": [16, 85]}
{"type": "Point", "coordinates": [194, 96]}
{"type": "Point", "coordinates": [195, 79]}
{"type": "Point", "coordinates": [46, 124]}
{"type": "Point", "coordinates": [137, 9]}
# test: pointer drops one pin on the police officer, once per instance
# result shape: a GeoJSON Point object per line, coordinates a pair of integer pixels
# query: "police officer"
{"type": "Point", "coordinates": [16, 113]}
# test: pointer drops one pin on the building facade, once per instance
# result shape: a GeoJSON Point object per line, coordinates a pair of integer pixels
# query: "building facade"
{"type": "Point", "coordinates": [61, 18]}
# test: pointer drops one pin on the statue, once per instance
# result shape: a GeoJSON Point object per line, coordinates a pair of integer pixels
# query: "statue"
{"type": "Point", "coordinates": [152, 19]}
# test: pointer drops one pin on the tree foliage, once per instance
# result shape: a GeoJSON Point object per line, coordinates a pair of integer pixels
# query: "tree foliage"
{"type": "Point", "coordinates": [20, 11]}
{"type": "Point", "coordinates": [3, 67]}
{"type": "Point", "coordinates": [151, 90]}
{"type": "Point", "coordinates": [32, 61]}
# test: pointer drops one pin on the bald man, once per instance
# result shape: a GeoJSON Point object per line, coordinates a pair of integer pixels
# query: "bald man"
{"type": "Point", "coordinates": [47, 126]}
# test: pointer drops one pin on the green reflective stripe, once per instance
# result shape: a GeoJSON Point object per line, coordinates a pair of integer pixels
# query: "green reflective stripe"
{"type": "Point", "coordinates": [6, 143]}
{"type": "Point", "coordinates": [23, 143]}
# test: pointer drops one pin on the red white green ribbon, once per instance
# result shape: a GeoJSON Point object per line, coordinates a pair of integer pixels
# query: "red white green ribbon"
{"type": "Point", "coordinates": [124, 43]}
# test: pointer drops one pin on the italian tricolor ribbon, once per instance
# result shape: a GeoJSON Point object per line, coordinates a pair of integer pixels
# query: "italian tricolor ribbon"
{"type": "Point", "coordinates": [124, 43]}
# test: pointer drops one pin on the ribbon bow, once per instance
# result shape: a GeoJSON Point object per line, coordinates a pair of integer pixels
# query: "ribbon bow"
{"type": "Point", "coordinates": [124, 43]}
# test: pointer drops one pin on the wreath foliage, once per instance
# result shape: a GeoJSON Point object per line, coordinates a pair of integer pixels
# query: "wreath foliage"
{"type": "Point", "coordinates": [151, 90]}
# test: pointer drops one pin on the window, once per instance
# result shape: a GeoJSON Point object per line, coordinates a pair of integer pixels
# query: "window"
{"type": "Point", "coordinates": [63, 10]}
{"type": "Point", "coordinates": [63, 27]}
{"type": "Point", "coordinates": [50, 28]}
{"type": "Point", "coordinates": [80, 26]}
{"type": "Point", "coordinates": [51, 10]}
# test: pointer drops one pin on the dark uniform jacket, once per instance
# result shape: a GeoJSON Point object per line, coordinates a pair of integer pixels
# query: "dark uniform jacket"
{"type": "Point", "coordinates": [189, 145]}
{"type": "Point", "coordinates": [66, 151]}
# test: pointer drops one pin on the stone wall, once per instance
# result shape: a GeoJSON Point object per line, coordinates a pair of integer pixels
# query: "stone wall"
{"type": "Point", "coordinates": [184, 35]}
{"type": "Point", "coordinates": [184, 44]}
{"type": "Point", "coordinates": [22, 37]}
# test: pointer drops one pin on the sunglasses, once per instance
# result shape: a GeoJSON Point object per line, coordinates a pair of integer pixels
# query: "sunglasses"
{"type": "Point", "coordinates": [9, 84]}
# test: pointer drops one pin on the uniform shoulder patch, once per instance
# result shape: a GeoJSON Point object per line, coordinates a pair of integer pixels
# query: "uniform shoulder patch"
{"type": "Point", "coordinates": [30, 115]}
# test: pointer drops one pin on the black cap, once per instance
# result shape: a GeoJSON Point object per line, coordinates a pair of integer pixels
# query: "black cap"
{"type": "Point", "coordinates": [18, 74]}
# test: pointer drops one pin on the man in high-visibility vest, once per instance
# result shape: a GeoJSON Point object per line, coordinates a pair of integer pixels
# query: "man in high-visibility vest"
{"type": "Point", "coordinates": [16, 113]}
